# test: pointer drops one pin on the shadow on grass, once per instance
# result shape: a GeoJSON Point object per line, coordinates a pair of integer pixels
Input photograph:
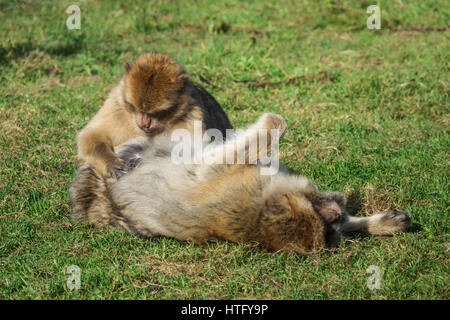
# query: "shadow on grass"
{"type": "Point", "coordinates": [354, 202]}
{"type": "Point", "coordinates": [354, 205]}
{"type": "Point", "coordinates": [415, 228]}
{"type": "Point", "coordinates": [23, 49]}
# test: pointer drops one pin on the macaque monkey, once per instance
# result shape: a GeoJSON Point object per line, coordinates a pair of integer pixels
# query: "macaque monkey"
{"type": "Point", "coordinates": [154, 96]}
{"type": "Point", "coordinates": [201, 202]}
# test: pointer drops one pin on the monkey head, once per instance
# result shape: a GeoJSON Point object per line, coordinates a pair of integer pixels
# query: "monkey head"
{"type": "Point", "coordinates": [290, 217]}
{"type": "Point", "coordinates": [152, 85]}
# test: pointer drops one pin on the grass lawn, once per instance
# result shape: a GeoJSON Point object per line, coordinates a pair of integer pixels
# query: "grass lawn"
{"type": "Point", "coordinates": [367, 110]}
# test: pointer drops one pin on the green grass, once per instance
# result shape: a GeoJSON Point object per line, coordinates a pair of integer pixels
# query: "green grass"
{"type": "Point", "coordinates": [370, 116]}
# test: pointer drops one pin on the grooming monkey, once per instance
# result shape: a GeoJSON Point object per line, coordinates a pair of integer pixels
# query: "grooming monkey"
{"type": "Point", "coordinates": [154, 96]}
{"type": "Point", "coordinates": [201, 202]}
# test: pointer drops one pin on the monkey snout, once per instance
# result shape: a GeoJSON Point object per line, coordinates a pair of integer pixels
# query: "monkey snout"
{"type": "Point", "coordinates": [144, 121]}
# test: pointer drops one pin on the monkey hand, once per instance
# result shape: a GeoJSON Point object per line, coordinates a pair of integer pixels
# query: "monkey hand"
{"type": "Point", "coordinates": [108, 167]}
{"type": "Point", "coordinates": [116, 168]}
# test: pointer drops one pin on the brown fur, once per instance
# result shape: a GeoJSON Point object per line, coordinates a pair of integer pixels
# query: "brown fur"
{"type": "Point", "coordinates": [283, 221]}
{"type": "Point", "coordinates": [152, 80]}
{"type": "Point", "coordinates": [154, 96]}
{"type": "Point", "coordinates": [283, 212]}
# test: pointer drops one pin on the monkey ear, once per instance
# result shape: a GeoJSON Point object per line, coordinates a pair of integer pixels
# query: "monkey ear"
{"type": "Point", "coordinates": [126, 67]}
{"type": "Point", "coordinates": [329, 210]}
{"type": "Point", "coordinates": [277, 206]}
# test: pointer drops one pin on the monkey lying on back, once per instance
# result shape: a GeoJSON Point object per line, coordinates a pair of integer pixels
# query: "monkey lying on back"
{"type": "Point", "coordinates": [154, 96]}
{"type": "Point", "coordinates": [200, 202]}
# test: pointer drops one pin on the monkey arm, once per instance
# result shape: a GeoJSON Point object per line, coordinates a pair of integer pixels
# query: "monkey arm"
{"type": "Point", "coordinates": [248, 145]}
{"type": "Point", "coordinates": [96, 148]}
{"type": "Point", "coordinates": [111, 126]}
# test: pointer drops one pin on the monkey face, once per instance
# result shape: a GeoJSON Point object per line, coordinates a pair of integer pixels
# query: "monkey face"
{"type": "Point", "coordinates": [152, 85]}
{"type": "Point", "coordinates": [331, 208]}
{"type": "Point", "coordinates": [155, 122]}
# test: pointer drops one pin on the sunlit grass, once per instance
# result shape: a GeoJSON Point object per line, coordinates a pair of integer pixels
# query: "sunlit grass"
{"type": "Point", "coordinates": [369, 115]}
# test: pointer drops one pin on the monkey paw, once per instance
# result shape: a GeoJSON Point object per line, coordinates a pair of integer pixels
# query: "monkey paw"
{"type": "Point", "coordinates": [391, 222]}
{"type": "Point", "coordinates": [272, 121]}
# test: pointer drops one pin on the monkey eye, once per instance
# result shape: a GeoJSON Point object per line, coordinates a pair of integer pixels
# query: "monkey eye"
{"type": "Point", "coordinates": [130, 106]}
{"type": "Point", "coordinates": [165, 113]}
